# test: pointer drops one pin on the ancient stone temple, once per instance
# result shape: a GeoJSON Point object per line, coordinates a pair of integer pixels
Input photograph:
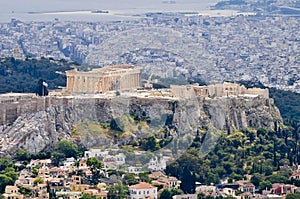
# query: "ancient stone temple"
{"type": "Point", "coordinates": [226, 89]}
{"type": "Point", "coordinates": [100, 80]}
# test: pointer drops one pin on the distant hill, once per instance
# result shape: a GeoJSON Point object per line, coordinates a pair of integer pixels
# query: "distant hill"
{"type": "Point", "coordinates": [22, 76]}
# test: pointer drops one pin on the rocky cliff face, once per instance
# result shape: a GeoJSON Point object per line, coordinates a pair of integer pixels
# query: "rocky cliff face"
{"type": "Point", "coordinates": [40, 131]}
{"type": "Point", "coordinates": [230, 114]}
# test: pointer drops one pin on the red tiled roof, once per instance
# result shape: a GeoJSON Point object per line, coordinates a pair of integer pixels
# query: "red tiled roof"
{"type": "Point", "coordinates": [142, 185]}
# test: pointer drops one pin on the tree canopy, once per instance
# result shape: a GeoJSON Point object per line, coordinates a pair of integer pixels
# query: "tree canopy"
{"type": "Point", "coordinates": [23, 75]}
{"type": "Point", "coordinates": [8, 175]}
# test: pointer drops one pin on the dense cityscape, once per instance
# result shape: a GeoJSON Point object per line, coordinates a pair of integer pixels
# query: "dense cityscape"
{"type": "Point", "coordinates": [215, 49]}
{"type": "Point", "coordinates": [172, 104]}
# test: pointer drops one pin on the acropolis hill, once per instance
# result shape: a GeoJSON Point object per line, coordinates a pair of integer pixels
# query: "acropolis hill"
{"type": "Point", "coordinates": [36, 123]}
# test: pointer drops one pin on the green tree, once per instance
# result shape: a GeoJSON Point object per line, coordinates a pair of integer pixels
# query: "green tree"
{"type": "Point", "coordinates": [38, 181]}
{"type": "Point", "coordinates": [5, 180]}
{"type": "Point", "coordinates": [22, 75]}
{"type": "Point", "coordinates": [35, 171]}
{"type": "Point", "coordinates": [68, 148]}
{"type": "Point", "coordinates": [293, 196]}
{"type": "Point", "coordinates": [168, 194]}
{"type": "Point", "coordinates": [8, 175]}
{"type": "Point", "coordinates": [64, 149]}
{"type": "Point", "coordinates": [265, 184]}
{"type": "Point", "coordinates": [165, 194]}
{"type": "Point", "coordinates": [130, 178]}
{"type": "Point", "coordinates": [26, 191]}
{"type": "Point", "coordinates": [89, 196]}
{"type": "Point", "coordinates": [188, 181]}
{"type": "Point", "coordinates": [175, 192]}
{"type": "Point", "coordinates": [261, 131]}
{"type": "Point", "coordinates": [275, 178]}
{"type": "Point", "coordinates": [201, 195]}
{"type": "Point", "coordinates": [5, 163]}
{"type": "Point", "coordinates": [256, 179]}
{"type": "Point", "coordinates": [150, 143]}
{"type": "Point", "coordinates": [57, 157]}
{"type": "Point", "coordinates": [118, 191]}
{"type": "Point", "coordinates": [10, 172]}
{"type": "Point", "coordinates": [94, 163]}
{"type": "Point", "coordinates": [228, 197]}
{"type": "Point", "coordinates": [296, 182]}
{"type": "Point", "coordinates": [144, 177]}
{"type": "Point", "coordinates": [22, 155]}
{"type": "Point", "coordinates": [251, 135]}
{"type": "Point", "coordinates": [212, 178]}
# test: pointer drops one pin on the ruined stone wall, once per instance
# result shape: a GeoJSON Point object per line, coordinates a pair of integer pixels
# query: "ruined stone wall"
{"type": "Point", "coordinates": [217, 90]}
{"type": "Point", "coordinates": [258, 91]}
{"type": "Point", "coordinates": [10, 110]}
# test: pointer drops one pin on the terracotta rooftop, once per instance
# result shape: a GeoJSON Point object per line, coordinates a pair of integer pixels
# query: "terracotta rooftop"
{"type": "Point", "coordinates": [295, 173]}
{"type": "Point", "coordinates": [142, 185]}
{"type": "Point", "coordinates": [156, 175]}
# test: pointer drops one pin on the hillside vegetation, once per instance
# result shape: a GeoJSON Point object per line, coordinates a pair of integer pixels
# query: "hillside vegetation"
{"type": "Point", "coordinates": [260, 153]}
{"type": "Point", "coordinates": [288, 103]}
{"type": "Point", "coordinates": [23, 76]}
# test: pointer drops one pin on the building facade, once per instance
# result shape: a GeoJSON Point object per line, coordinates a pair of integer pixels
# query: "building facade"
{"type": "Point", "coordinates": [100, 80]}
{"type": "Point", "coordinates": [143, 190]}
{"type": "Point", "coordinates": [12, 192]}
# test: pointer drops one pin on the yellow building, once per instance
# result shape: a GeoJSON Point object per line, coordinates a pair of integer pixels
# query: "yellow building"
{"type": "Point", "coordinates": [100, 80]}
{"type": "Point", "coordinates": [76, 179]}
{"type": "Point", "coordinates": [79, 187]}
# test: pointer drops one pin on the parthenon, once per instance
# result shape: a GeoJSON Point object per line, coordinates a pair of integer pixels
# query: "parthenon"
{"type": "Point", "coordinates": [100, 80]}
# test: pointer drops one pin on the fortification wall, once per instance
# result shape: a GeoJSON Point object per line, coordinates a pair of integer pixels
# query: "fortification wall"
{"type": "Point", "coordinates": [10, 110]}
{"type": "Point", "coordinates": [2, 114]}
{"type": "Point", "coordinates": [13, 105]}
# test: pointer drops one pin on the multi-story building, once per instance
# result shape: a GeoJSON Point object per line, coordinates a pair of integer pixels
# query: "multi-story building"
{"type": "Point", "coordinates": [12, 192]}
{"type": "Point", "coordinates": [143, 190]}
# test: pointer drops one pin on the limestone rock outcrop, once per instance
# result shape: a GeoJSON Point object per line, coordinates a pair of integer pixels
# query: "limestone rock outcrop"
{"type": "Point", "coordinates": [40, 131]}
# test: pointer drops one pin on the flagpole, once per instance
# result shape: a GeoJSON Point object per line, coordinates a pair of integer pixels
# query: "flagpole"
{"type": "Point", "coordinates": [45, 85]}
